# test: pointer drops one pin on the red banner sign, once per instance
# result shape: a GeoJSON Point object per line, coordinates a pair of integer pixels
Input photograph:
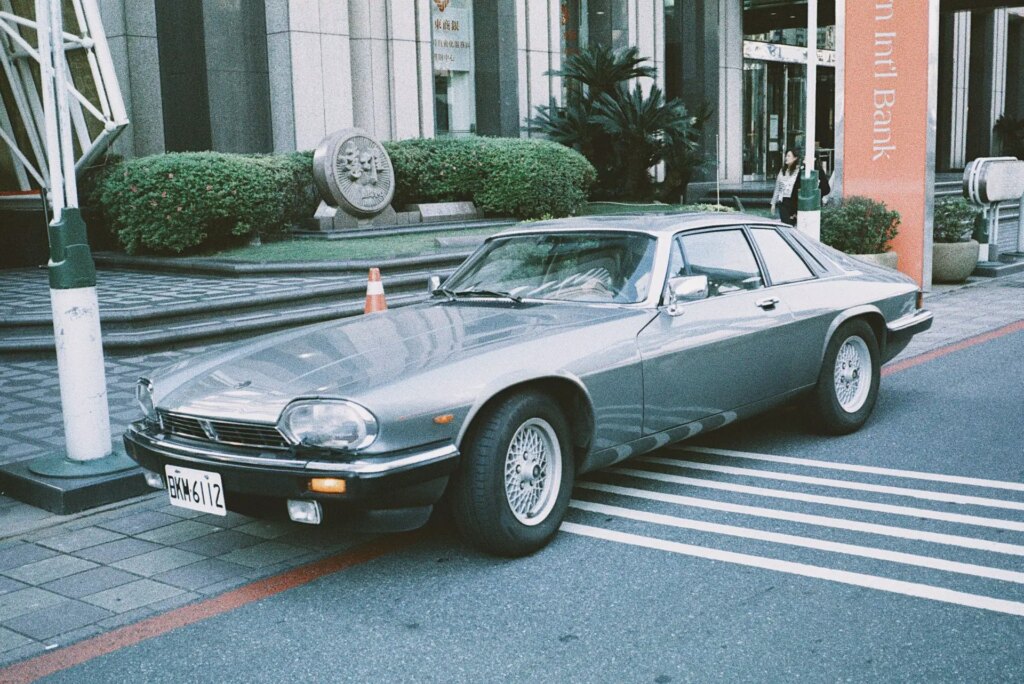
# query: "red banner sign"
{"type": "Point", "coordinates": [888, 99]}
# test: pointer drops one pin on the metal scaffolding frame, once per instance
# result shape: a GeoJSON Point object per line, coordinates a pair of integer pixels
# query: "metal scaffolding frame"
{"type": "Point", "coordinates": [106, 105]}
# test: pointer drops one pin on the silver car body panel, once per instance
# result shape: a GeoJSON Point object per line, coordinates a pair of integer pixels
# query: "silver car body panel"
{"type": "Point", "coordinates": [411, 365]}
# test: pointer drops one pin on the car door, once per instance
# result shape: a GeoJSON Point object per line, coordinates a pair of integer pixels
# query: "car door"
{"type": "Point", "coordinates": [795, 281]}
{"type": "Point", "coordinates": [718, 353]}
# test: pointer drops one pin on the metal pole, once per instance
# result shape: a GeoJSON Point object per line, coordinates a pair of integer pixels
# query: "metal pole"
{"type": "Point", "coordinates": [76, 321]}
{"type": "Point", "coordinates": [809, 202]}
{"type": "Point", "coordinates": [1020, 225]}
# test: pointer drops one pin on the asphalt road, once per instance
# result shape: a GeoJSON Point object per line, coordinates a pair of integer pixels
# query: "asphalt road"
{"type": "Point", "coordinates": [767, 571]}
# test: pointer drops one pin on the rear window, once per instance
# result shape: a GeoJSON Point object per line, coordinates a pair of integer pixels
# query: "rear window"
{"type": "Point", "coordinates": [783, 263]}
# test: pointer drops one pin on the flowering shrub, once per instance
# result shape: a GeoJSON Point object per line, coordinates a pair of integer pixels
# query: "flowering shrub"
{"type": "Point", "coordinates": [503, 176]}
{"type": "Point", "coordinates": [954, 220]}
{"type": "Point", "coordinates": [859, 225]}
{"type": "Point", "coordinates": [186, 201]}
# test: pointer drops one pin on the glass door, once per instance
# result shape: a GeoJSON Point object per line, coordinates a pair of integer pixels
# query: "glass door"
{"type": "Point", "coordinates": [755, 86]}
{"type": "Point", "coordinates": [774, 99]}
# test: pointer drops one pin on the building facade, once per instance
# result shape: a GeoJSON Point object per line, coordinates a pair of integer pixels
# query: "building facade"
{"type": "Point", "coordinates": [279, 75]}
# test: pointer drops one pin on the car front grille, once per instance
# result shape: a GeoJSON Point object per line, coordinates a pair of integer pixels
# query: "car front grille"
{"type": "Point", "coordinates": [223, 431]}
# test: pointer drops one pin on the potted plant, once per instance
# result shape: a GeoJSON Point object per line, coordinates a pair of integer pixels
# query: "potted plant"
{"type": "Point", "coordinates": [861, 227]}
{"type": "Point", "coordinates": [954, 253]}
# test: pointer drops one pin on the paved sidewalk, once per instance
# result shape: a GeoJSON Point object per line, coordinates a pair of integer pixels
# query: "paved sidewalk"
{"type": "Point", "coordinates": [63, 579]}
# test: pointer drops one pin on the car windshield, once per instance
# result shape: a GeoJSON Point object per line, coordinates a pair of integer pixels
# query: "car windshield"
{"type": "Point", "coordinates": [578, 267]}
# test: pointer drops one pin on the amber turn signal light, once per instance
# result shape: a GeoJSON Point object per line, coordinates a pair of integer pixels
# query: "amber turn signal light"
{"type": "Point", "coordinates": [327, 485]}
{"type": "Point", "coordinates": [444, 419]}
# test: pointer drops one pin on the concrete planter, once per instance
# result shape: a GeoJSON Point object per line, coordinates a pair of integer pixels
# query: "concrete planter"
{"type": "Point", "coordinates": [952, 262]}
{"type": "Point", "coordinates": [887, 259]}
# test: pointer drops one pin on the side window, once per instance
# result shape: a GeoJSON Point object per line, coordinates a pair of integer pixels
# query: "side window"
{"type": "Point", "coordinates": [725, 257]}
{"type": "Point", "coordinates": [783, 263]}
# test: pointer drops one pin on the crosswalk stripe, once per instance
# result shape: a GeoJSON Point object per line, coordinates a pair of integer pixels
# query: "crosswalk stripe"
{"type": "Point", "coordinates": [926, 495]}
{"type": "Point", "coordinates": [819, 520]}
{"type": "Point", "coordinates": [854, 468]}
{"type": "Point", "coordinates": [826, 500]}
{"type": "Point", "coordinates": [805, 542]}
{"type": "Point", "coordinates": [841, 576]}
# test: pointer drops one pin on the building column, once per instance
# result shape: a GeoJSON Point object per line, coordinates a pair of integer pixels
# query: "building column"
{"type": "Point", "coordinates": [988, 87]}
{"type": "Point", "coordinates": [392, 83]}
{"type": "Point", "coordinates": [310, 71]}
{"type": "Point", "coordinates": [954, 81]}
{"type": "Point", "coordinates": [711, 42]}
{"type": "Point", "coordinates": [497, 64]}
{"type": "Point", "coordinates": [130, 26]}
{"type": "Point", "coordinates": [647, 33]}
{"type": "Point", "coordinates": [1015, 65]}
{"type": "Point", "coordinates": [538, 27]}
{"type": "Point", "coordinates": [237, 78]}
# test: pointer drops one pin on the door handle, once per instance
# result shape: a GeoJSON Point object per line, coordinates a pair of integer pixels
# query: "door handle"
{"type": "Point", "coordinates": [768, 303]}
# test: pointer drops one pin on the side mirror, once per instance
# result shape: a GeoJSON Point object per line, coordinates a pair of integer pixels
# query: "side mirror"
{"type": "Point", "coordinates": [433, 283]}
{"type": "Point", "coordinates": [684, 289]}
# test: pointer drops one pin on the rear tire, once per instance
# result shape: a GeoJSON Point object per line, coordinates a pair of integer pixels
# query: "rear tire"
{"type": "Point", "coordinates": [847, 386]}
{"type": "Point", "coordinates": [513, 485]}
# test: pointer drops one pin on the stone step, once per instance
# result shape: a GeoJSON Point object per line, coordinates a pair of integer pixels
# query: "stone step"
{"type": "Point", "coordinates": [156, 327]}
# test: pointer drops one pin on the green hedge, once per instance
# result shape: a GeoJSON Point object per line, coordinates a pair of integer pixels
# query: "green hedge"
{"type": "Point", "coordinates": [184, 201]}
{"type": "Point", "coordinates": [503, 176]}
{"type": "Point", "coordinates": [207, 200]}
{"type": "Point", "coordinates": [859, 225]}
{"type": "Point", "coordinates": [953, 220]}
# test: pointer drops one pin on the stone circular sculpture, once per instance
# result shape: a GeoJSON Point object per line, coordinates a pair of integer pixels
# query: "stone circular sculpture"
{"type": "Point", "coordinates": [354, 173]}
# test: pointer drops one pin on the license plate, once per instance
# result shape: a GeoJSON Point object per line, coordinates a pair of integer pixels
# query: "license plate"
{"type": "Point", "coordinates": [198, 490]}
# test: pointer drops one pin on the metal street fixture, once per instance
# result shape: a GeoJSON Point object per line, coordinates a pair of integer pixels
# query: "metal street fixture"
{"type": "Point", "coordinates": [72, 272]}
{"type": "Point", "coordinates": [808, 217]}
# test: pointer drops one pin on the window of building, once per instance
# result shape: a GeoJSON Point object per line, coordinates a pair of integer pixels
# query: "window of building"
{"type": "Point", "coordinates": [454, 68]}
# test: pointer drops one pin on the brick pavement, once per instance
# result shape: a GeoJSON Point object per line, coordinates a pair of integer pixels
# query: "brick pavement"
{"type": "Point", "coordinates": [63, 579]}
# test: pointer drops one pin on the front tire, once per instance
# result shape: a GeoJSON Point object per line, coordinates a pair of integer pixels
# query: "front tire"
{"type": "Point", "coordinates": [847, 386]}
{"type": "Point", "coordinates": [513, 486]}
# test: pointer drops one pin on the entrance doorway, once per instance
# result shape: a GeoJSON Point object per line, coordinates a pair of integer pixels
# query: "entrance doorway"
{"type": "Point", "coordinates": [774, 102]}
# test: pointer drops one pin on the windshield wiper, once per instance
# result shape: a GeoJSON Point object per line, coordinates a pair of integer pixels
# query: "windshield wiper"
{"type": "Point", "coordinates": [477, 292]}
{"type": "Point", "coordinates": [450, 294]}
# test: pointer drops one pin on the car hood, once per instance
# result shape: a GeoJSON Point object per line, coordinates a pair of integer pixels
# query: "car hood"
{"type": "Point", "coordinates": [254, 381]}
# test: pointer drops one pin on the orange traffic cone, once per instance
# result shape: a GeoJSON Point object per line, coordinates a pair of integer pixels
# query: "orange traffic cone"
{"type": "Point", "coordinates": [374, 293]}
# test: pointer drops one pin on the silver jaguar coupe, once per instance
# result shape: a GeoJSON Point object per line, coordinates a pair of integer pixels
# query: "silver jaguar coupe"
{"type": "Point", "coordinates": [557, 348]}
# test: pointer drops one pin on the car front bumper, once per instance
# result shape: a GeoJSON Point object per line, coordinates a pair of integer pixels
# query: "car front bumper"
{"type": "Point", "coordinates": [903, 329]}
{"type": "Point", "coordinates": [402, 480]}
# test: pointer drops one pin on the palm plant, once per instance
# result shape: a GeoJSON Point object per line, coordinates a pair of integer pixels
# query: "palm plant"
{"type": "Point", "coordinates": [622, 131]}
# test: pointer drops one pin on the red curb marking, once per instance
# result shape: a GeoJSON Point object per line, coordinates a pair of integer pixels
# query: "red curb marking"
{"type": "Point", "coordinates": [954, 347]}
{"type": "Point", "coordinates": [76, 654]}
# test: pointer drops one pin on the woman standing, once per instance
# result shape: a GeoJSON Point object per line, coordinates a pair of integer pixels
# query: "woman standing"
{"type": "Point", "coordinates": [784, 196]}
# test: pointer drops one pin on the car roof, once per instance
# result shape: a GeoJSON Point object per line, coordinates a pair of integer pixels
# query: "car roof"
{"type": "Point", "coordinates": [654, 224]}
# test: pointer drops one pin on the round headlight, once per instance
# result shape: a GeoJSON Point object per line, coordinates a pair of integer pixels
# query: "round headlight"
{"type": "Point", "coordinates": [333, 424]}
{"type": "Point", "coordinates": [144, 397]}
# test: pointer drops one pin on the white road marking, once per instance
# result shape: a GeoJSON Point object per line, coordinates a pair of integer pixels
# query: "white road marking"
{"type": "Point", "coordinates": [924, 494]}
{"type": "Point", "coordinates": [819, 520]}
{"type": "Point", "coordinates": [802, 569]}
{"type": "Point", "coordinates": [826, 500]}
{"type": "Point", "coordinates": [853, 468]}
{"type": "Point", "coordinates": [805, 542]}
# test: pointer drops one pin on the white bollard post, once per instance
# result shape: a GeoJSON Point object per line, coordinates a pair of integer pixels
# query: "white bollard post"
{"type": "Point", "coordinates": [808, 216]}
{"type": "Point", "coordinates": [75, 307]}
